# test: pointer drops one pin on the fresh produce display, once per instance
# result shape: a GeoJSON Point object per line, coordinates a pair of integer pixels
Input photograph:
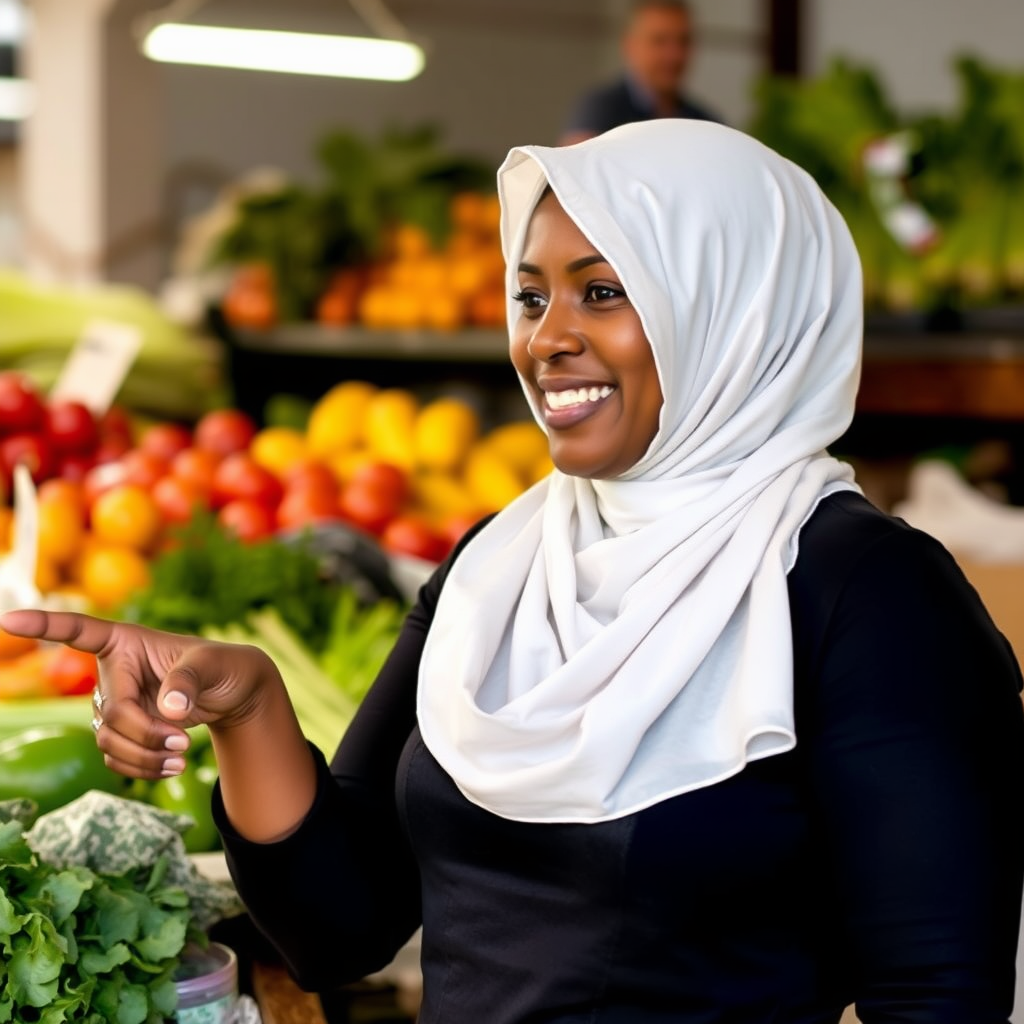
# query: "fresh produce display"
{"type": "Point", "coordinates": [177, 373]}
{"type": "Point", "coordinates": [53, 765]}
{"type": "Point", "coordinates": [399, 234]}
{"type": "Point", "coordinates": [935, 201]}
{"type": "Point", "coordinates": [83, 946]}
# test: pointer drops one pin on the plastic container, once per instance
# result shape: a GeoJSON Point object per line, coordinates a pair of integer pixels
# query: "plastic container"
{"type": "Point", "coordinates": [207, 984]}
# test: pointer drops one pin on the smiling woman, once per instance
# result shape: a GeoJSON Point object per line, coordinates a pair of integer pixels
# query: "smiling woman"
{"type": "Point", "coordinates": [689, 731]}
{"type": "Point", "coordinates": [581, 351]}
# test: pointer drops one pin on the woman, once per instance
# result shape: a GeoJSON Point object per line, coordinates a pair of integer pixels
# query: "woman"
{"type": "Point", "coordinates": [690, 732]}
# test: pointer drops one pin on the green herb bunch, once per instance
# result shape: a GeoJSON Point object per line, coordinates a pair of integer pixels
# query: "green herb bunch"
{"type": "Point", "coordinates": [76, 946]}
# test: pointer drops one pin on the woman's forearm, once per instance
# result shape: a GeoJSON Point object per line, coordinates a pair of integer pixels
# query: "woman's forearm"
{"type": "Point", "coordinates": [267, 773]}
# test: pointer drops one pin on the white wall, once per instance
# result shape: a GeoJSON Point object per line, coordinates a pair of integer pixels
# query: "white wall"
{"type": "Point", "coordinates": [913, 42]}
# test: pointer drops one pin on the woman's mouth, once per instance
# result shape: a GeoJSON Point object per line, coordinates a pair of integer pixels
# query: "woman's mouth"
{"type": "Point", "coordinates": [570, 405]}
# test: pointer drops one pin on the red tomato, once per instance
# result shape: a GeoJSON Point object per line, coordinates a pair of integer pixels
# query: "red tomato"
{"type": "Point", "coordinates": [73, 466]}
{"type": "Point", "coordinates": [165, 440]}
{"type": "Point", "coordinates": [453, 528]}
{"type": "Point", "coordinates": [143, 468]}
{"type": "Point", "coordinates": [306, 505]}
{"type": "Point", "coordinates": [71, 673]}
{"type": "Point", "coordinates": [366, 507]}
{"type": "Point", "coordinates": [248, 519]}
{"type": "Point", "coordinates": [310, 475]}
{"type": "Point", "coordinates": [71, 427]}
{"type": "Point", "coordinates": [384, 477]}
{"type": "Point", "coordinates": [32, 449]}
{"type": "Point", "coordinates": [21, 407]}
{"type": "Point", "coordinates": [224, 431]}
{"type": "Point", "coordinates": [178, 498]}
{"type": "Point", "coordinates": [410, 535]}
{"type": "Point", "coordinates": [239, 475]}
{"type": "Point", "coordinates": [116, 422]}
{"type": "Point", "coordinates": [101, 478]}
{"type": "Point", "coordinates": [111, 448]}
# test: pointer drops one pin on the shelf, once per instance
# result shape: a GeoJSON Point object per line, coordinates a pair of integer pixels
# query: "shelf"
{"type": "Point", "coordinates": [465, 346]}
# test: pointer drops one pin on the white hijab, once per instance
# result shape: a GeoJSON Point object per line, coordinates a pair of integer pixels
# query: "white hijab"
{"type": "Point", "coordinates": [606, 644]}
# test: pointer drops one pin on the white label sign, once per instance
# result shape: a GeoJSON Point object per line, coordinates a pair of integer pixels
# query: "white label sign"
{"type": "Point", "coordinates": [98, 364]}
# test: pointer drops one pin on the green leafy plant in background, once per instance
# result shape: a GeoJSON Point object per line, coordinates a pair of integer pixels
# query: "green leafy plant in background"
{"type": "Point", "coordinates": [304, 233]}
{"type": "Point", "coordinates": [78, 946]}
{"type": "Point", "coordinates": [967, 174]}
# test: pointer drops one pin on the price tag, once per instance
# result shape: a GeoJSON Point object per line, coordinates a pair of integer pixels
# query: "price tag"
{"type": "Point", "coordinates": [98, 364]}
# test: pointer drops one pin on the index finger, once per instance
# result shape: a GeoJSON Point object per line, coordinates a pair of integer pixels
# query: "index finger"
{"type": "Point", "coordinates": [83, 632]}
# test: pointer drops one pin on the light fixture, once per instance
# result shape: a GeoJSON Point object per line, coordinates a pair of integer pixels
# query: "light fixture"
{"type": "Point", "coordinates": [394, 59]}
{"type": "Point", "coordinates": [15, 99]}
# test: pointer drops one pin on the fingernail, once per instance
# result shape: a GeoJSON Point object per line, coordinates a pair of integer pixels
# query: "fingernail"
{"type": "Point", "coordinates": [173, 766]}
{"type": "Point", "coordinates": [176, 701]}
{"type": "Point", "coordinates": [176, 742]}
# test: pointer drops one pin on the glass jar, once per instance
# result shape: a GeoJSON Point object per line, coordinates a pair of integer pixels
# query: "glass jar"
{"type": "Point", "coordinates": [207, 984]}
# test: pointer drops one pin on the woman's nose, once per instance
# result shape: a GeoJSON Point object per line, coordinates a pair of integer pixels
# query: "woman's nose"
{"type": "Point", "coordinates": [557, 332]}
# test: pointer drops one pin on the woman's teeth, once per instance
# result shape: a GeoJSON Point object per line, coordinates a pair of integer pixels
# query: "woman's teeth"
{"type": "Point", "coordinates": [575, 396]}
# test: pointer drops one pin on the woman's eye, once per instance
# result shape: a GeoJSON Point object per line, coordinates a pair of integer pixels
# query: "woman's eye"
{"type": "Point", "coordinates": [603, 293]}
{"type": "Point", "coordinates": [529, 300]}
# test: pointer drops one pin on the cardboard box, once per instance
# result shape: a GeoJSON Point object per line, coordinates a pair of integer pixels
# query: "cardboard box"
{"type": "Point", "coordinates": [1001, 586]}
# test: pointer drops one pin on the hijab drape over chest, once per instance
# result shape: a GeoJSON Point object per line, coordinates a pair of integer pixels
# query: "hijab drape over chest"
{"type": "Point", "coordinates": [605, 644]}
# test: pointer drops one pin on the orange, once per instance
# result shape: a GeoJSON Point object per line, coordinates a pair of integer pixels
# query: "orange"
{"type": "Point", "coordinates": [522, 444]}
{"type": "Point", "coordinates": [278, 448]}
{"type": "Point", "coordinates": [126, 515]}
{"type": "Point", "coordinates": [6, 526]}
{"type": "Point", "coordinates": [443, 311]}
{"type": "Point", "coordinates": [47, 575]}
{"type": "Point", "coordinates": [491, 481]}
{"type": "Point", "coordinates": [410, 241]}
{"type": "Point", "coordinates": [61, 528]}
{"type": "Point", "coordinates": [112, 574]}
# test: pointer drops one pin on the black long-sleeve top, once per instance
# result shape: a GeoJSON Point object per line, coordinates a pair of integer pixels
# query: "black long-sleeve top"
{"type": "Point", "coordinates": [879, 862]}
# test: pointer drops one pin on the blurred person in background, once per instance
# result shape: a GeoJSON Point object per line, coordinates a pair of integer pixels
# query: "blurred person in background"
{"type": "Point", "coordinates": [657, 45]}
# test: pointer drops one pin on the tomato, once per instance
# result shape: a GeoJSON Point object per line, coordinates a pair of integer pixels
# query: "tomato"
{"type": "Point", "coordinates": [71, 426]}
{"type": "Point", "coordinates": [72, 466]}
{"type": "Point", "coordinates": [197, 467]}
{"type": "Point", "coordinates": [102, 478]}
{"type": "Point", "coordinates": [70, 672]}
{"type": "Point", "coordinates": [34, 450]}
{"type": "Point", "coordinates": [165, 440]}
{"type": "Point", "coordinates": [21, 407]}
{"type": "Point", "coordinates": [117, 422]}
{"type": "Point", "coordinates": [310, 475]}
{"type": "Point", "coordinates": [178, 498]}
{"type": "Point", "coordinates": [190, 794]}
{"type": "Point", "coordinates": [366, 507]}
{"type": "Point", "coordinates": [241, 476]}
{"type": "Point", "coordinates": [54, 765]}
{"type": "Point", "coordinates": [143, 468]}
{"type": "Point", "coordinates": [385, 478]}
{"type": "Point", "coordinates": [301, 506]}
{"type": "Point", "coordinates": [247, 518]}
{"type": "Point", "coordinates": [111, 448]}
{"type": "Point", "coordinates": [12, 646]}
{"type": "Point", "coordinates": [453, 527]}
{"type": "Point", "coordinates": [411, 535]}
{"type": "Point", "coordinates": [224, 431]}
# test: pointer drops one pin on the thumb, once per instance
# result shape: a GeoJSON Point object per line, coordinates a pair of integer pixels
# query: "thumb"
{"type": "Point", "coordinates": [179, 688]}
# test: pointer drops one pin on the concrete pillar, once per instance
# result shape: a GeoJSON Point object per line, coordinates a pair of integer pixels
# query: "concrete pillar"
{"type": "Point", "coordinates": [91, 168]}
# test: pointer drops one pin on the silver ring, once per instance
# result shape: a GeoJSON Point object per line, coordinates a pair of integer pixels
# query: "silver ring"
{"type": "Point", "coordinates": [96, 723]}
{"type": "Point", "coordinates": [98, 700]}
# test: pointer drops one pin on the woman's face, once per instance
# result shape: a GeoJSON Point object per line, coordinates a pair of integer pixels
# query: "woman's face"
{"type": "Point", "coordinates": [579, 345]}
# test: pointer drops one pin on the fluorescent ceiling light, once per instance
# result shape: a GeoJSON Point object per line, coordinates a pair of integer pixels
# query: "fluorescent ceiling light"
{"type": "Point", "coordinates": [299, 53]}
{"type": "Point", "coordinates": [15, 99]}
{"type": "Point", "coordinates": [12, 22]}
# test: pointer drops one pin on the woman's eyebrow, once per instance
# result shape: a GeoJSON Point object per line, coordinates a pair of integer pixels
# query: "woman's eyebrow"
{"type": "Point", "coordinates": [575, 265]}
